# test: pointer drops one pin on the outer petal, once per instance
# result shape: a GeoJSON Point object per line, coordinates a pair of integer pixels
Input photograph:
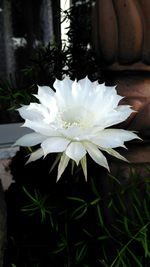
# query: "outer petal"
{"type": "Point", "coordinates": [106, 99]}
{"type": "Point", "coordinates": [62, 165]}
{"type": "Point", "coordinates": [115, 154]}
{"type": "Point", "coordinates": [26, 113]}
{"type": "Point", "coordinates": [75, 151]}
{"type": "Point", "coordinates": [48, 111]}
{"type": "Point", "coordinates": [36, 155]}
{"type": "Point", "coordinates": [120, 114]}
{"type": "Point", "coordinates": [84, 167]}
{"type": "Point", "coordinates": [111, 138]}
{"type": "Point", "coordinates": [30, 139]}
{"type": "Point", "coordinates": [40, 127]}
{"type": "Point", "coordinates": [96, 154]}
{"type": "Point", "coordinates": [45, 95]}
{"type": "Point", "coordinates": [54, 144]}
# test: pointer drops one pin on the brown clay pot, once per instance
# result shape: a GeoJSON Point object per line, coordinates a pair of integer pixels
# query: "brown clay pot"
{"type": "Point", "coordinates": [121, 37]}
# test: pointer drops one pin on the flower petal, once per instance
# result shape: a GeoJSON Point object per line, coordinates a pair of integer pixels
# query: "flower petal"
{"type": "Point", "coordinates": [45, 95]}
{"type": "Point", "coordinates": [106, 98]}
{"type": "Point", "coordinates": [35, 155]}
{"type": "Point", "coordinates": [63, 92]}
{"type": "Point", "coordinates": [84, 167]}
{"type": "Point", "coordinates": [75, 151]}
{"type": "Point", "coordinates": [30, 139]}
{"type": "Point", "coordinates": [86, 84]}
{"type": "Point", "coordinates": [26, 113]}
{"type": "Point", "coordinates": [111, 138]}
{"type": "Point", "coordinates": [96, 154]}
{"type": "Point", "coordinates": [120, 114]}
{"type": "Point", "coordinates": [41, 128]}
{"type": "Point", "coordinates": [62, 165]}
{"type": "Point", "coordinates": [54, 144]}
{"type": "Point", "coordinates": [115, 154]}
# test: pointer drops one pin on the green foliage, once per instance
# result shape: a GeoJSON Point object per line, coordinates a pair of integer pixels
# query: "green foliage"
{"type": "Point", "coordinates": [37, 205]}
{"type": "Point", "coordinates": [13, 93]}
{"type": "Point", "coordinates": [54, 60]}
{"type": "Point", "coordinates": [9, 92]}
{"type": "Point", "coordinates": [113, 228]}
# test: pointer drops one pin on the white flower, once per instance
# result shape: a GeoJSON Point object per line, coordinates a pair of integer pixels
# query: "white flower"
{"type": "Point", "coordinates": [74, 120]}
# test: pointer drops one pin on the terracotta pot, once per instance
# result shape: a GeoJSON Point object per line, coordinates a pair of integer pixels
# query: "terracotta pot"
{"type": "Point", "coordinates": [121, 34]}
{"type": "Point", "coordinates": [121, 37]}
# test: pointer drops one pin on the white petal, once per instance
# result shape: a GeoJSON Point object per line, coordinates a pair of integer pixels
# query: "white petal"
{"type": "Point", "coordinates": [63, 85]}
{"type": "Point", "coordinates": [30, 139]}
{"type": "Point", "coordinates": [111, 138]}
{"type": "Point", "coordinates": [83, 94]}
{"type": "Point", "coordinates": [54, 144]}
{"type": "Point", "coordinates": [106, 99]}
{"type": "Point", "coordinates": [117, 116]}
{"type": "Point", "coordinates": [26, 113]}
{"type": "Point", "coordinates": [75, 151]}
{"type": "Point", "coordinates": [45, 95]}
{"type": "Point", "coordinates": [62, 165]}
{"type": "Point", "coordinates": [85, 84]}
{"type": "Point", "coordinates": [47, 114]}
{"type": "Point", "coordinates": [63, 92]}
{"type": "Point", "coordinates": [40, 127]}
{"type": "Point", "coordinates": [96, 154]}
{"type": "Point", "coordinates": [36, 155]}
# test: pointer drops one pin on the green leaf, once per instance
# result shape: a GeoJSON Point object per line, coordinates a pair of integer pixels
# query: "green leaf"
{"type": "Point", "coordinates": [80, 253]}
{"type": "Point", "coordinates": [114, 178]}
{"type": "Point", "coordinates": [76, 199]}
{"type": "Point", "coordinates": [103, 237]}
{"type": "Point", "coordinates": [100, 215]}
{"type": "Point", "coordinates": [94, 188]}
{"type": "Point", "coordinates": [79, 212]}
{"type": "Point", "coordinates": [138, 263]}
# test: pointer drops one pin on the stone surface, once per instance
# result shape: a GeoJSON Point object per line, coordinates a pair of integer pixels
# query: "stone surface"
{"type": "Point", "coordinates": [3, 223]}
{"type": "Point", "coordinates": [5, 175]}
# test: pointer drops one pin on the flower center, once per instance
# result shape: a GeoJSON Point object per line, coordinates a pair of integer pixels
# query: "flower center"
{"type": "Point", "coordinates": [75, 117]}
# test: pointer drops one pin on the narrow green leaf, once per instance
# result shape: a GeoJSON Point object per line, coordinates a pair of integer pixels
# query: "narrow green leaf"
{"type": "Point", "coordinates": [93, 186]}
{"type": "Point", "coordinates": [99, 215]}
{"type": "Point", "coordinates": [114, 178]}
{"type": "Point", "coordinates": [103, 237]}
{"type": "Point", "coordinates": [146, 209]}
{"type": "Point", "coordinates": [79, 212]}
{"type": "Point", "coordinates": [80, 253]}
{"type": "Point", "coordinates": [76, 199]}
{"type": "Point", "coordinates": [138, 263]}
